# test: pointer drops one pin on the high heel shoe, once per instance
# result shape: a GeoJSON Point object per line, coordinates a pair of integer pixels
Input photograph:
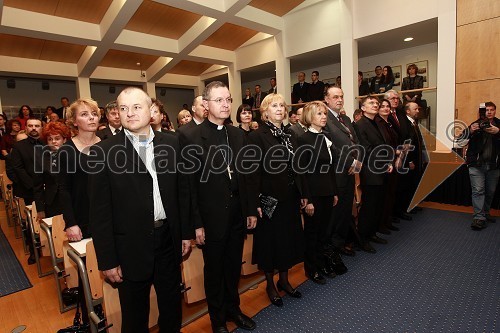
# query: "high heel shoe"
{"type": "Point", "coordinates": [294, 293]}
{"type": "Point", "coordinates": [275, 300]}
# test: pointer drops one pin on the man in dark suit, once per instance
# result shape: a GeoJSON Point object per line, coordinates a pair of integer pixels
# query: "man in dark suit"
{"type": "Point", "coordinates": [61, 112]}
{"type": "Point", "coordinates": [273, 89]}
{"type": "Point", "coordinates": [315, 90]}
{"type": "Point", "coordinates": [219, 205]}
{"type": "Point", "coordinates": [199, 114]}
{"type": "Point", "coordinates": [344, 137]}
{"type": "Point", "coordinates": [257, 99]}
{"type": "Point", "coordinates": [24, 159]}
{"type": "Point", "coordinates": [298, 128]}
{"type": "Point", "coordinates": [134, 214]}
{"type": "Point", "coordinates": [299, 91]}
{"type": "Point", "coordinates": [373, 174]}
{"type": "Point", "coordinates": [114, 123]}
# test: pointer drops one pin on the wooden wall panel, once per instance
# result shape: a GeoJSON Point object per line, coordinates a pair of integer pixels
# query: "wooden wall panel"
{"type": "Point", "coordinates": [469, 11]}
{"type": "Point", "coordinates": [278, 8]}
{"type": "Point", "coordinates": [478, 47]}
{"type": "Point", "coordinates": [470, 95]}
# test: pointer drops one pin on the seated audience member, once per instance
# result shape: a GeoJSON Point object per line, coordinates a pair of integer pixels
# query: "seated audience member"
{"type": "Point", "coordinates": [317, 162]}
{"type": "Point", "coordinates": [292, 118]}
{"type": "Point", "coordinates": [22, 160]}
{"type": "Point", "coordinates": [114, 124]}
{"type": "Point", "coordinates": [46, 188]}
{"type": "Point", "coordinates": [372, 175]}
{"type": "Point", "coordinates": [412, 81]}
{"type": "Point", "coordinates": [387, 81]}
{"type": "Point", "coordinates": [54, 117]}
{"type": "Point", "coordinates": [248, 98]}
{"type": "Point", "coordinates": [299, 128]}
{"type": "Point", "coordinates": [13, 127]}
{"type": "Point", "coordinates": [483, 162]}
{"type": "Point", "coordinates": [273, 89]}
{"type": "Point", "coordinates": [356, 115]}
{"type": "Point", "coordinates": [25, 113]}
{"type": "Point", "coordinates": [183, 118]}
{"type": "Point", "coordinates": [316, 89]}
{"type": "Point", "coordinates": [3, 122]}
{"type": "Point", "coordinates": [48, 111]}
{"type": "Point", "coordinates": [244, 117]}
{"type": "Point", "coordinates": [363, 88]}
{"type": "Point", "coordinates": [277, 237]}
{"type": "Point", "coordinates": [374, 82]}
{"type": "Point", "coordinates": [299, 91]}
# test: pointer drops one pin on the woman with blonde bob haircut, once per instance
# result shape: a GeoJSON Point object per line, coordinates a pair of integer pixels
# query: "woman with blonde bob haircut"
{"type": "Point", "coordinates": [278, 236]}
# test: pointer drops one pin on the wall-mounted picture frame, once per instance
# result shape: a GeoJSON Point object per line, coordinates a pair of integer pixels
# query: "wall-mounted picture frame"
{"type": "Point", "coordinates": [423, 70]}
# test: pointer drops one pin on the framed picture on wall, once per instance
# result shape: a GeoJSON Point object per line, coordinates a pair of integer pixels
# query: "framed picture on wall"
{"type": "Point", "coordinates": [396, 70]}
{"type": "Point", "coordinates": [423, 70]}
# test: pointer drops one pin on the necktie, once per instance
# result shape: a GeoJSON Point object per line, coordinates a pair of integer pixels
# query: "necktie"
{"type": "Point", "coordinates": [346, 128]}
{"type": "Point", "coordinates": [257, 101]}
{"type": "Point", "coordinates": [393, 113]}
{"type": "Point", "coordinates": [117, 131]}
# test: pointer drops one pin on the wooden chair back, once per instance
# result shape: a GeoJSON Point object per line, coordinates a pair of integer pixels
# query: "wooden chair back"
{"type": "Point", "coordinates": [247, 268]}
{"type": "Point", "coordinates": [193, 276]}
{"type": "Point", "coordinates": [61, 250]}
{"type": "Point", "coordinates": [95, 277]}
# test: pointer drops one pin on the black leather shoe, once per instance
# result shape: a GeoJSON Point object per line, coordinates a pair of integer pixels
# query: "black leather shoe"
{"type": "Point", "coordinates": [293, 293]}
{"type": "Point", "coordinates": [336, 264]}
{"type": "Point", "coordinates": [347, 252]}
{"type": "Point", "coordinates": [478, 224]}
{"type": "Point", "coordinates": [220, 329]}
{"type": "Point", "coordinates": [31, 259]}
{"type": "Point", "coordinates": [329, 273]}
{"type": "Point", "coordinates": [405, 217]}
{"type": "Point", "coordinates": [393, 228]}
{"type": "Point", "coordinates": [243, 321]}
{"type": "Point", "coordinates": [274, 298]}
{"type": "Point", "coordinates": [316, 278]}
{"type": "Point", "coordinates": [367, 247]}
{"type": "Point", "coordinates": [378, 240]}
{"type": "Point", "coordinates": [385, 231]}
{"type": "Point", "coordinates": [396, 219]}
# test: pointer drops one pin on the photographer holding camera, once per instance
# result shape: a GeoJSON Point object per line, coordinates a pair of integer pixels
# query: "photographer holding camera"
{"type": "Point", "coordinates": [483, 162]}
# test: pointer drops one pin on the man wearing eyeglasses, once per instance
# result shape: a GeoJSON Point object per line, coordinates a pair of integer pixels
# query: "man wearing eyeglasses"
{"type": "Point", "coordinates": [218, 204]}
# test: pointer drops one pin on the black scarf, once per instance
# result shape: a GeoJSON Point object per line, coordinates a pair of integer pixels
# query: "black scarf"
{"type": "Point", "coordinates": [283, 137]}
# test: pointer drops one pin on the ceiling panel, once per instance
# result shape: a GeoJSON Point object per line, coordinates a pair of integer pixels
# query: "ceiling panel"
{"type": "Point", "coordinates": [127, 60]}
{"type": "Point", "coordinates": [278, 8]}
{"type": "Point", "coordinates": [161, 20]}
{"type": "Point", "coordinates": [33, 48]}
{"type": "Point", "coordinates": [229, 37]}
{"type": "Point", "coordinates": [186, 67]}
{"type": "Point", "coordinates": [91, 11]}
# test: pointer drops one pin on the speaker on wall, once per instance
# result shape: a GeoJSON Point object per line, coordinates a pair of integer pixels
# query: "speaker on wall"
{"type": "Point", "coordinates": [163, 91]}
{"type": "Point", "coordinates": [112, 89]}
{"type": "Point", "coordinates": [11, 84]}
{"type": "Point", "coordinates": [45, 85]}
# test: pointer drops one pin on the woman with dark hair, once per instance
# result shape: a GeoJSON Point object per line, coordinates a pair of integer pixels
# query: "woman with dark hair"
{"type": "Point", "coordinates": [244, 117]}
{"type": "Point", "coordinates": [387, 80]}
{"type": "Point", "coordinates": [25, 113]}
{"type": "Point", "coordinates": [48, 111]}
{"type": "Point", "coordinates": [248, 98]}
{"type": "Point", "coordinates": [279, 193]}
{"type": "Point", "coordinates": [13, 127]}
{"type": "Point", "coordinates": [412, 81]}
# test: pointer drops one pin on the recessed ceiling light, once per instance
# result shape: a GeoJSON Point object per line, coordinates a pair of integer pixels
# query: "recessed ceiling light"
{"type": "Point", "coordinates": [408, 39]}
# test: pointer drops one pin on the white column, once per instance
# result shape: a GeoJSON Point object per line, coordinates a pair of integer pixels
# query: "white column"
{"type": "Point", "coordinates": [149, 88]}
{"type": "Point", "coordinates": [282, 64]}
{"type": "Point", "coordinates": [348, 57]}
{"type": "Point", "coordinates": [83, 87]}
{"type": "Point", "coordinates": [234, 80]}
{"type": "Point", "coordinates": [447, 41]}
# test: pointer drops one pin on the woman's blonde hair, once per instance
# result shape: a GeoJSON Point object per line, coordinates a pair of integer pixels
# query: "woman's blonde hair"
{"type": "Point", "coordinates": [309, 110]}
{"type": "Point", "coordinates": [71, 113]}
{"type": "Point", "coordinates": [269, 99]}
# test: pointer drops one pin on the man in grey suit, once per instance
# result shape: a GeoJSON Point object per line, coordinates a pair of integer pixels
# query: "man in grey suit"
{"type": "Point", "coordinates": [298, 128]}
{"type": "Point", "coordinates": [344, 137]}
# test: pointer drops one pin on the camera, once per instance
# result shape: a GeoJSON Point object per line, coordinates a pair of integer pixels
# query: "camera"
{"type": "Point", "coordinates": [484, 124]}
{"type": "Point", "coordinates": [483, 121]}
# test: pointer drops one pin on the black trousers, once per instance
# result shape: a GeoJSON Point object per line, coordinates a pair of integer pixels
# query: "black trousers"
{"type": "Point", "coordinates": [342, 214]}
{"type": "Point", "coordinates": [166, 278]}
{"type": "Point", "coordinates": [316, 233]}
{"type": "Point", "coordinates": [370, 213]}
{"type": "Point", "coordinates": [223, 268]}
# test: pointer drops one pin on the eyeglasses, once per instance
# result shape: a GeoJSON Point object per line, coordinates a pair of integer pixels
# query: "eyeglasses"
{"type": "Point", "coordinates": [219, 100]}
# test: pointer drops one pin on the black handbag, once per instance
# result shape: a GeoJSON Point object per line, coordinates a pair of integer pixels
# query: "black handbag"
{"type": "Point", "coordinates": [268, 205]}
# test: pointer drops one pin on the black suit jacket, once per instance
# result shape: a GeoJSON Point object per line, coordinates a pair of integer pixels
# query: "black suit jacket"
{"type": "Point", "coordinates": [408, 132]}
{"type": "Point", "coordinates": [121, 203]}
{"type": "Point", "coordinates": [314, 160]}
{"type": "Point", "coordinates": [187, 126]}
{"type": "Point", "coordinates": [210, 187]}
{"type": "Point", "coordinates": [374, 167]}
{"type": "Point", "coordinates": [46, 187]}
{"type": "Point", "coordinates": [315, 91]}
{"type": "Point", "coordinates": [22, 161]}
{"type": "Point", "coordinates": [300, 93]}
{"type": "Point", "coordinates": [105, 133]}
{"type": "Point", "coordinates": [341, 139]}
{"type": "Point", "coordinates": [271, 175]}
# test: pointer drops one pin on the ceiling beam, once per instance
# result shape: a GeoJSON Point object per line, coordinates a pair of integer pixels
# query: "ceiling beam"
{"type": "Point", "coordinates": [112, 24]}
